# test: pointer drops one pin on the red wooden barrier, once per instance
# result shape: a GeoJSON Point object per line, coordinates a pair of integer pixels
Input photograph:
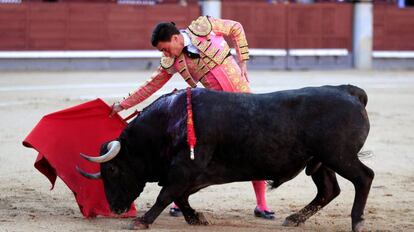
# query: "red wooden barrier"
{"type": "Point", "coordinates": [46, 26]}
{"type": "Point", "coordinates": [85, 26]}
{"type": "Point", "coordinates": [320, 26]}
{"type": "Point", "coordinates": [103, 26]}
{"type": "Point", "coordinates": [293, 25]}
{"type": "Point", "coordinates": [13, 27]}
{"type": "Point", "coordinates": [265, 24]}
{"type": "Point", "coordinates": [393, 28]}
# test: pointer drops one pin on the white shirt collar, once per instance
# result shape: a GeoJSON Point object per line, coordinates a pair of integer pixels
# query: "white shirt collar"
{"type": "Point", "coordinates": [187, 42]}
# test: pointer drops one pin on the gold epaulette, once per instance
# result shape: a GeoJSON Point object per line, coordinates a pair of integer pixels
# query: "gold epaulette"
{"type": "Point", "coordinates": [201, 26]}
{"type": "Point", "coordinates": [167, 62]}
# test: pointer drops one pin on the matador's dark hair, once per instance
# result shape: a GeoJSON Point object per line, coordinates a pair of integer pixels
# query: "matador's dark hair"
{"type": "Point", "coordinates": [163, 33]}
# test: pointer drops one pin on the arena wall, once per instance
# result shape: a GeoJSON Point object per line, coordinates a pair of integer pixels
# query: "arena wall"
{"type": "Point", "coordinates": [281, 36]}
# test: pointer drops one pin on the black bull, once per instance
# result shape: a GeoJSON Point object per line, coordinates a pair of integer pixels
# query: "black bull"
{"type": "Point", "coordinates": [240, 137]}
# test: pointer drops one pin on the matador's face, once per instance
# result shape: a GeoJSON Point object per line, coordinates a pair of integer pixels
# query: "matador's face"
{"type": "Point", "coordinates": [172, 48]}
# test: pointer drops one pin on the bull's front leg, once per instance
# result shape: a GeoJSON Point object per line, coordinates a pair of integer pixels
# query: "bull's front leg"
{"type": "Point", "coordinates": [191, 216]}
{"type": "Point", "coordinates": [163, 200]}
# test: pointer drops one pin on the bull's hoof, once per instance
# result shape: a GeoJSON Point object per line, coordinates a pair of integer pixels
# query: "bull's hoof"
{"type": "Point", "coordinates": [202, 219]}
{"type": "Point", "coordinates": [358, 226]}
{"type": "Point", "coordinates": [137, 225]}
{"type": "Point", "coordinates": [293, 221]}
{"type": "Point", "coordinates": [197, 219]}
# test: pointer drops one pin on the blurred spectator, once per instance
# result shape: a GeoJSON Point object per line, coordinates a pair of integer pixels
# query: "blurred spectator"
{"type": "Point", "coordinates": [10, 1]}
{"type": "Point", "coordinates": [183, 2]}
{"type": "Point", "coordinates": [180, 2]}
{"type": "Point", "coordinates": [138, 2]}
{"type": "Point", "coordinates": [405, 3]}
{"type": "Point", "coordinates": [279, 1]}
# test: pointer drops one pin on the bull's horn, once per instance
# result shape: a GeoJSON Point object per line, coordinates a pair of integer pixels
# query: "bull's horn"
{"type": "Point", "coordinates": [113, 149]}
{"type": "Point", "coordinates": [89, 175]}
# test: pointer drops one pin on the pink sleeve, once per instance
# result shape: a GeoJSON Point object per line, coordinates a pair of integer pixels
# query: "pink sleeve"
{"type": "Point", "coordinates": [157, 80]}
{"type": "Point", "coordinates": [234, 30]}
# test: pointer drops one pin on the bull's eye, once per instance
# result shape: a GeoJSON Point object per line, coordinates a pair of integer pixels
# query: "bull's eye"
{"type": "Point", "coordinates": [113, 170]}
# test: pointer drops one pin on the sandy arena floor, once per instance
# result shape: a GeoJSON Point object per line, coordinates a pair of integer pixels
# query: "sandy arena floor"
{"type": "Point", "coordinates": [26, 204]}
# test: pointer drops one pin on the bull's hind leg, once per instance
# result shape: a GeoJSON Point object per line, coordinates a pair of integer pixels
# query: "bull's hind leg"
{"type": "Point", "coordinates": [361, 177]}
{"type": "Point", "coordinates": [328, 189]}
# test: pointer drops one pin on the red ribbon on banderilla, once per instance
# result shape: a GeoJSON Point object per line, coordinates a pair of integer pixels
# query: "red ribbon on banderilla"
{"type": "Point", "coordinates": [191, 137]}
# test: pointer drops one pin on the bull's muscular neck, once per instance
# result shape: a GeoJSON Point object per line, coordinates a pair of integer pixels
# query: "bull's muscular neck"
{"type": "Point", "coordinates": [143, 145]}
{"type": "Point", "coordinates": [147, 136]}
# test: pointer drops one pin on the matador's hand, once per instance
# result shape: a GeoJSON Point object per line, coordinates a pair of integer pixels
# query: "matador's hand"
{"type": "Point", "coordinates": [116, 107]}
{"type": "Point", "coordinates": [243, 68]}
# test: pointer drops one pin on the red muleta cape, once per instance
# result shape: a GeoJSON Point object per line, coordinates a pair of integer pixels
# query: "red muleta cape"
{"type": "Point", "coordinates": [60, 137]}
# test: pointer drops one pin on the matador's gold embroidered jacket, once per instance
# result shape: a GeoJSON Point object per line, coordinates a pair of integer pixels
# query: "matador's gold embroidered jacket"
{"type": "Point", "coordinates": [215, 69]}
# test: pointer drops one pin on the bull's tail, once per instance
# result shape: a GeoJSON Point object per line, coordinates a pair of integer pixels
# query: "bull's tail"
{"type": "Point", "coordinates": [356, 92]}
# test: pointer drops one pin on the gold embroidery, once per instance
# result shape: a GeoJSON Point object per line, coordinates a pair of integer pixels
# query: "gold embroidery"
{"type": "Point", "coordinates": [211, 64]}
{"type": "Point", "coordinates": [199, 68]}
{"type": "Point", "coordinates": [220, 26]}
{"type": "Point", "coordinates": [167, 62]}
{"type": "Point", "coordinates": [244, 53]}
{"type": "Point", "coordinates": [243, 42]}
{"type": "Point", "coordinates": [222, 55]}
{"type": "Point", "coordinates": [204, 45]}
{"type": "Point", "coordinates": [235, 31]}
{"type": "Point", "coordinates": [184, 71]}
{"type": "Point", "coordinates": [194, 40]}
{"type": "Point", "coordinates": [233, 73]}
{"type": "Point", "coordinates": [212, 51]}
{"type": "Point", "coordinates": [244, 49]}
{"type": "Point", "coordinates": [244, 56]}
{"type": "Point", "coordinates": [201, 26]}
{"type": "Point", "coordinates": [181, 63]}
{"type": "Point", "coordinates": [202, 71]}
{"type": "Point", "coordinates": [191, 82]}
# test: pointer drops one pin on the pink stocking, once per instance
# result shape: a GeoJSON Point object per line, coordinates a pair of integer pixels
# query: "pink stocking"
{"type": "Point", "coordinates": [174, 206]}
{"type": "Point", "coordinates": [260, 191]}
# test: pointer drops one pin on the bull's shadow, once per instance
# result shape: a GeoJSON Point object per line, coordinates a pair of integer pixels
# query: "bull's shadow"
{"type": "Point", "coordinates": [240, 137]}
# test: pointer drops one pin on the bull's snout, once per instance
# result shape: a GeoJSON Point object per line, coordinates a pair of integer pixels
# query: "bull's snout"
{"type": "Point", "coordinates": [119, 210]}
